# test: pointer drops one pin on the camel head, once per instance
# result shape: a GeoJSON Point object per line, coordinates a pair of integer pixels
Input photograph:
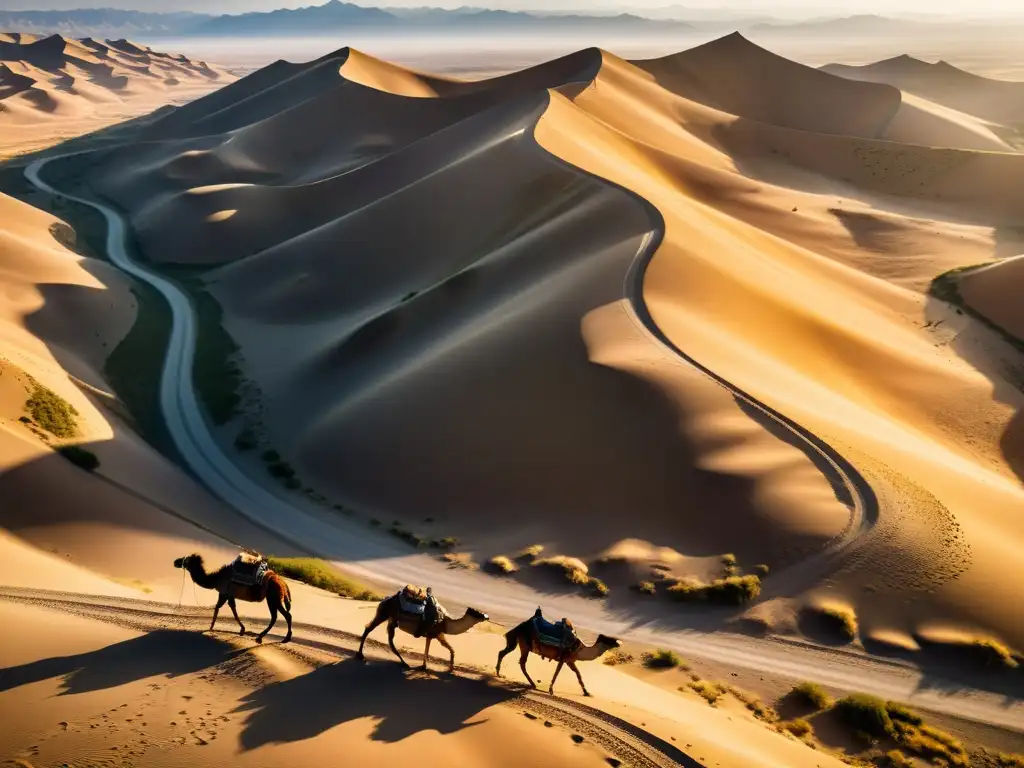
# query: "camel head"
{"type": "Point", "coordinates": [607, 643]}
{"type": "Point", "coordinates": [478, 615]}
{"type": "Point", "coordinates": [186, 562]}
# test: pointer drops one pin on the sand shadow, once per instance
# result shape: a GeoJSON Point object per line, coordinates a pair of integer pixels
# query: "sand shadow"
{"type": "Point", "coordinates": [164, 652]}
{"type": "Point", "coordinates": [402, 703]}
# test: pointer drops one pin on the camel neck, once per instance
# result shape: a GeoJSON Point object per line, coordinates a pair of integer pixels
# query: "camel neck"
{"type": "Point", "coordinates": [458, 626]}
{"type": "Point", "coordinates": [200, 576]}
{"type": "Point", "coordinates": [590, 652]}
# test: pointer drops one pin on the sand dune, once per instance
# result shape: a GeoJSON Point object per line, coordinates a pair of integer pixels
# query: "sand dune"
{"type": "Point", "coordinates": [55, 86]}
{"type": "Point", "coordinates": [1000, 101]}
{"type": "Point", "coordinates": [797, 242]}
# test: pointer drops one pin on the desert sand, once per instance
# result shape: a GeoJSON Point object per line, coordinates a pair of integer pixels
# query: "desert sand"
{"type": "Point", "coordinates": [52, 88]}
{"type": "Point", "coordinates": [647, 314]}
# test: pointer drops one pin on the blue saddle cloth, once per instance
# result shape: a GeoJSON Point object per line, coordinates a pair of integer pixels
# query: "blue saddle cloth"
{"type": "Point", "coordinates": [553, 633]}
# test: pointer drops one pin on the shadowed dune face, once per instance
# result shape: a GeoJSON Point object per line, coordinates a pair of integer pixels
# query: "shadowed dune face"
{"type": "Point", "coordinates": [463, 301]}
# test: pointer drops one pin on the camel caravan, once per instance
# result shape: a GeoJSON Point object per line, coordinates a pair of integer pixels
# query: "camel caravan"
{"type": "Point", "coordinates": [413, 610]}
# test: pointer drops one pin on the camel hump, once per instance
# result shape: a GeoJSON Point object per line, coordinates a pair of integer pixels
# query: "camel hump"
{"type": "Point", "coordinates": [249, 569]}
{"type": "Point", "coordinates": [414, 593]}
{"type": "Point", "coordinates": [248, 557]}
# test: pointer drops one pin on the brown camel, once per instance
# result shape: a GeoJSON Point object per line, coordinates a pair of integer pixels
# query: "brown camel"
{"type": "Point", "coordinates": [389, 610]}
{"type": "Point", "coordinates": [525, 636]}
{"type": "Point", "coordinates": [274, 590]}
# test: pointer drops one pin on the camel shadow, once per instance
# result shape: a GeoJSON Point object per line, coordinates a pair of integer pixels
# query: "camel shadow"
{"type": "Point", "coordinates": [167, 652]}
{"type": "Point", "coordinates": [402, 703]}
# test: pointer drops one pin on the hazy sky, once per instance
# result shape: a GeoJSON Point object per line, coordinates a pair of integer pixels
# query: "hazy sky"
{"type": "Point", "coordinates": [813, 7]}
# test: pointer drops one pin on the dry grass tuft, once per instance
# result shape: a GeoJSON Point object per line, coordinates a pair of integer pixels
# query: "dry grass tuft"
{"type": "Point", "coordinates": [530, 553]}
{"type": "Point", "coordinates": [838, 619]}
{"type": "Point", "coordinates": [733, 590]}
{"type": "Point", "coordinates": [811, 694]}
{"type": "Point", "coordinates": [319, 574]}
{"type": "Point", "coordinates": [501, 565]}
{"type": "Point", "coordinates": [663, 659]}
{"type": "Point", "coordinates": [645, 588]}
{"type": "Point", "coordinates": [710, 692]}
{"type": "Point", "coordinates": [799, 728]}
{"type": "Point", "coordinates": [572, 568]}
{"type": "Point", "coordinates": [618, 656]}
{"type": "Point", "coordinates": [460, 560]}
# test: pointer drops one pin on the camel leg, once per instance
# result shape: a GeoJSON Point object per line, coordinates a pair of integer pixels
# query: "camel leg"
{"type": "Point", "coordinates": [524, 654]}
{"type": "Point", "coordinates": [555, 677]}
{"type": "Point", "coordinates": [574, 668]}
{"type": "Point", "coordinates": [270, 626]}
{"type": "Point", "coordinates": [221, 599]}
{"type": "Point", "coordinates": [510, 645]}
{"type": "Point", "coordinates": [451, 663]}
{"type": "Point", "coordinates": [234, 610]}
{"type": "Point", "coordinates": [426, 652]}
{"type": "Point", "coordinates": [391, 643]}
{"type": "Point", "coordinates": [287, 617]}
{"type": "Point", "coordinates": [378, 620]}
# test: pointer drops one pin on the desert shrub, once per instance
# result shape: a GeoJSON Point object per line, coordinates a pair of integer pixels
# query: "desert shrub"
{"type": "Point", "coordinates": [729, 561]}
{"type": "Point", "coordinates": [734, 590]}
{"type": "Point", "coordinates": [896, 759]}
{"type": "Point", "coordinates": [319, 574]}
{"type": "Point", "coordinates": [459, 560]}
{"type": "Point", "coordinates": [80, 457]}
{"type": "Point", "coordinates": [281, 470]}
{"type": "Point", "coordinates": [862, 712]}
{"type": "Point", "coordinates": [530, 553]}
{"type": "Point", "coordinates": [574, 569]}
{"type": "Point", "coordinates": [598, 587]}
{"type": "Point", "coordinates": [271, 456]}
{"type": "Point", "coordinates": [931, 743]}
{"type": "Point", "coordinates": [710, 692]}
{"type": "Point", "coordinates": [753, 703]}
{"type": "Point", "coordinates": [413, 539]}
{"type": "Point", "coordinates": [501, 564]}
{"type": "Point", "coordinates": [292, 483]}
{"type": "Point", "coordinates": [903, 713]}
{"type": "Point", "coordinates": [246, 440]}
{"type": "Point", "coordinates": [838, 619]}
{"type": "Point", "coordinates": [617, 656]}
{"type": "Point", "coordinates": [52, 412]}
{"type": "Point", "coordinates": [24, 419]}
{"type": "Point", "coordinates": [761, 570]}
{"type": "Point", "coordinates": [645, 588]}
{"type": "Point", "coordinates": [1006, 760]}
{"type": "Point", "coordinates": [798, 728]}
{"type": "Point", "coordinates": [811, 694]}
{"type": "Point", "coordinates": [662, 659]}
{"type": "Point", "coordinates": [448, 542]}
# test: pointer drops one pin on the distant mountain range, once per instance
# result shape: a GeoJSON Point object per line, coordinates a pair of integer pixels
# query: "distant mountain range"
{"type": "Point", "coordinates": [336, 16]}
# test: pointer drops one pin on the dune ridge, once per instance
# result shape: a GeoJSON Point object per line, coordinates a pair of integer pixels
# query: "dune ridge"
{"type": "Point", "coordinates": [794, 250]}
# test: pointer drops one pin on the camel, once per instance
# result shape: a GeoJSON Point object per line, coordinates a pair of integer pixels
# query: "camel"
{"type": "Point", "coordinates": [389, 610]}
{"type": "Point", "coordinates": [273, 589]}
{"type": "Point", "coordinates": [525, 636]}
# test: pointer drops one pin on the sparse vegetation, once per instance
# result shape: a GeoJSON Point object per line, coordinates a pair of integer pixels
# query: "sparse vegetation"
{"type": "Point", "coordinates": [600, 589]}
{"type": "Point", "coordinates": [246, 440]}
{"type": "Point", "coordinates": [618, 656]}
{"type": "Point", "coordinates": [461, 560]}
{"type": "Point", "coordinates": [811, 694]}
{"type": "Point", "coordinates": [271, 456]}
{"type": "Point", "coordinates": [574, 569]}
{"type": "Point", "coordinates": [733, 590]}
{"type": "Point", "coordinates": [501, 564]}
{"type": "Point", "coordinates": [753, 703]}
{"type": "Point", "coordinates": [896, 759]}
{"type": "Point", "coordinates": [319, 574]}
{"type": "Point", "coordinates": [729, 561]}
{"type": "Point", "coordinates": [407, 536]}
{"type": "Point", "coordinates": [662, 659]}
{"type": "Point", "coordinates": [530, 553]}
{"type": "Point", "coordinates": [645, 588]}
{"type": "Point", "coordinates": [761, 570]}
{"type": "Point", "coordinates": [710, 692]}
{"type": "Point", "coordinates": [80, 457]}
{"type": "Point", "coordinates": [838, 619]}
{"type": "Point", "coordinates": [52, 412]}
{"type": "Point", "coordinates": [216, 372]}
{"type": "Point", "coordinates": [799, 728]}
{"type": "Point", "coordinates": [902, 713]}
{"type": "Point", "coordinates": [862, 712]}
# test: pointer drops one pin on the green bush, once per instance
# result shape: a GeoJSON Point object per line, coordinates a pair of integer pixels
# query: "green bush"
{"type": "Point", "coordinates": [798, 728]}
{"type": "Point", "coordinates": [319, 574]}
{"type": "Point", "coordinates": [80, 457]}
{"type": "Point", "coordinates": [866, 713]}
{"type": "Point", "coordinates": [812, 695]}
{"type": "Point", "coordinates": [52, 412]}
{"type": "Point", "coordinates": [903, 713]}
{"type": "Point", "coordinates": [645, 588]}
{"type": "Point", "coordinates": [246, 440]}
{"type": "Point", "coordinates": [599, 587]}
{"type": "Point", "coordinates": [662, 659]}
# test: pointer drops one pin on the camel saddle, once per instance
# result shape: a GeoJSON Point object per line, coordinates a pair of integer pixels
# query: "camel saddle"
{"type": "Point", "coordinates": [249, 569]}
{"type": "Point", "coordinates": [412, 600]}
{"type": "Point", "coordinates": [556, 634]}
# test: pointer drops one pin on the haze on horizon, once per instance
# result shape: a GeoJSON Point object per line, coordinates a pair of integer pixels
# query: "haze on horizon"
{"type": "Point", "coordinates": [789, 8]}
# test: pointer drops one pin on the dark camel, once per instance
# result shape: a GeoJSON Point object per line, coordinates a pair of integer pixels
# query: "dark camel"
{"type": "Point", "coordinates": [524, 636]}
{"type": "Point", "coordinates": [274, 590]}
{"type": "Point", "coordinates": [390, 611]}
